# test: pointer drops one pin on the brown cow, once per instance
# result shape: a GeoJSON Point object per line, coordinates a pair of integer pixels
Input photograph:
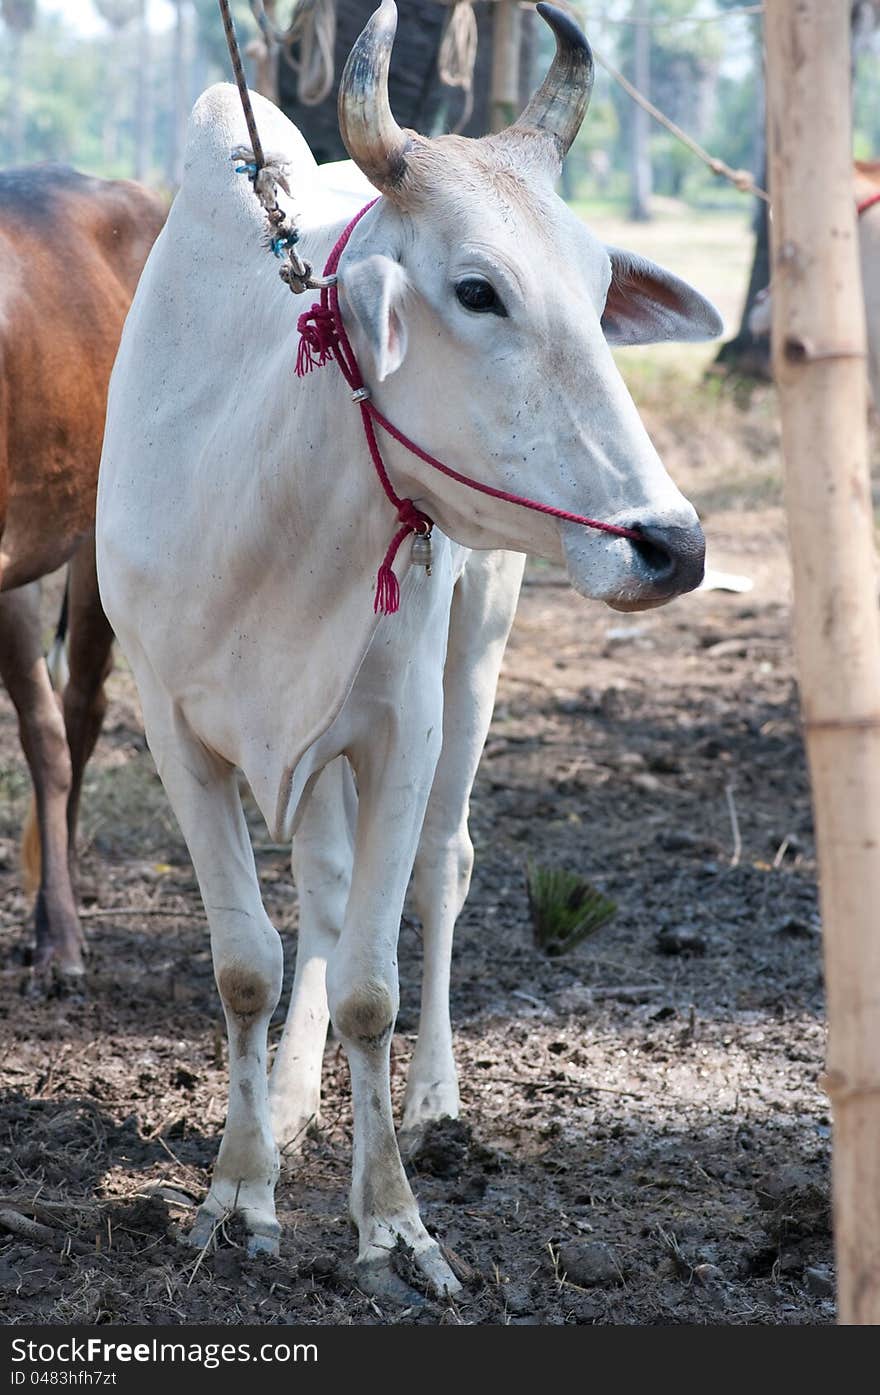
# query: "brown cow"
{"type": "Point", "coordinates": [71, 251]}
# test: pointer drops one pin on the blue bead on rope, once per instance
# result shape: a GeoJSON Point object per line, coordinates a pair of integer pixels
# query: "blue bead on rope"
{"type": "Point", "coordinates": [250, 170]}
{"type": "Point", "coordinates": [284, 240]}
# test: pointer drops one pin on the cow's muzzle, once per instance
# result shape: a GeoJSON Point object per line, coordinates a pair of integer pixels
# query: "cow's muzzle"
{"type": "Point", "coordinates": [670, 560]}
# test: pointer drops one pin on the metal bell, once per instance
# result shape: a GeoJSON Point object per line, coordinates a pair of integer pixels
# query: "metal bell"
{"type": "Point", "coordinates": [420, 556]}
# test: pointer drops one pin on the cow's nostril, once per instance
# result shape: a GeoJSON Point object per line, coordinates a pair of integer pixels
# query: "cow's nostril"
{"type": "Point", "coordinates": [658, 559]}
{"type": "Point", "coordinates": [670, 556]}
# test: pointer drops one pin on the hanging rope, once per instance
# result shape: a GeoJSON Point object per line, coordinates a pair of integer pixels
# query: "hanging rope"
{"type": "Point", "coordinates": [457, 55]}
{"type": "Point", "coordinates": [267, 177]}
{"type": "Point", "coordinates": [312, 29]}
{"type": "Point", "coordinates": [308, 45]}
{"type": "Point", "coordinates": [743, 180]}
{"type": "Point", "coordinates": [241, 83]}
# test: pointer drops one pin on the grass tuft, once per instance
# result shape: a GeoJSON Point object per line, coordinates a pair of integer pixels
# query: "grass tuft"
{"type": "Point", "coordinates": [565, 908]}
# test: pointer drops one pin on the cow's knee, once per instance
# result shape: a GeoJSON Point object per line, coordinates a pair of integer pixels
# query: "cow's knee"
{"type": "Point", "coordinates": [363, 1012]}
{"type": "Point", "coordinates": [442, 871]}
{"type": "Point", "coordinates": [250, 982]}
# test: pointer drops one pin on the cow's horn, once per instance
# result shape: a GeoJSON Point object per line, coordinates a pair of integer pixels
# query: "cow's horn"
{"type": "Point", "coordinates": [560, 104]}
{"type": "Point", "coordinates": [372, 137]}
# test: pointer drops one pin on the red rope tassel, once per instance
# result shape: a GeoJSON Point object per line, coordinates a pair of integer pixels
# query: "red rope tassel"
{"type": "Point", "coordinates": [317, 339]}
{"type": "Point", "coordinates": [387, 599]}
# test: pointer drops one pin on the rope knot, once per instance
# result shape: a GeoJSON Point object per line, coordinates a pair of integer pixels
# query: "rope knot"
{"type": "Point", "coordinates": [412, 518]}
{"type": "Point", "coordinates": [318, 340]}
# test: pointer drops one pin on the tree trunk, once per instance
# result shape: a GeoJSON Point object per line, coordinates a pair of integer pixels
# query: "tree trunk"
{"type": "Point", "coordinates": [746, 353]}
{"type": "Point", "coordinates": [179, 96]}
{"type": "Point", "coordinates": [143, 117]}
{"type": "Point", "coordinates": [15, 129]}
{"type": "Point", "coordinates": [640, 133]}
{"type": "Point", "coordinates": [819, 352]}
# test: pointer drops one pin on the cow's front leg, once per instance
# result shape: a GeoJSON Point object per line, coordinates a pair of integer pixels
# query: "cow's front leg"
{"type": "Point", "coordinates": [322, 858]}
{"type": "Point", "coordinates": [483, 607]}
{"type": "Point", "coordinates": [247, 965]}
{"type": "Point", "coordinates": [362, 987]}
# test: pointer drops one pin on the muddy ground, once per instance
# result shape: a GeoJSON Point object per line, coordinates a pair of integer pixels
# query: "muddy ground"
{"type": "Point", "coordinates": [644, 1137]}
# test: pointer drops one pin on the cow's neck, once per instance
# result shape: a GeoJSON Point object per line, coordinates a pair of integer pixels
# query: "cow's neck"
{"type": "Point", "coordinates": [313, 496]}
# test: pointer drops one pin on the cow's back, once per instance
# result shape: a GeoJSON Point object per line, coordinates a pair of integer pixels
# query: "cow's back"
{"type": "Point", "coordinates": [71, 251]}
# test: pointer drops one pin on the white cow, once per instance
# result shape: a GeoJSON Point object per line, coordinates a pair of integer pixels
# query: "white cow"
{"type": "Point", "coordinates": [240, 524]}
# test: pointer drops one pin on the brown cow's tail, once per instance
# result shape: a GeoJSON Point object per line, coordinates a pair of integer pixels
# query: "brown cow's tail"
{"type": "Point", "coordinates": [31, 854]}
{"type": "Point", "coordinates": [56, 659]}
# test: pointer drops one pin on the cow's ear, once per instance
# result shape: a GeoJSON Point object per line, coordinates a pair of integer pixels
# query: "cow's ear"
{"type": "Point", "coordinates": [647, 304]}
{"type": "Point", "coordinates": [374, 290]}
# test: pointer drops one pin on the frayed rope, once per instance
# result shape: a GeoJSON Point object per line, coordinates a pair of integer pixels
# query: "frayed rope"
{"type": "Point", "coordinates": [318, 340]}
{"type": "Point", "coordinates": [387, 598]}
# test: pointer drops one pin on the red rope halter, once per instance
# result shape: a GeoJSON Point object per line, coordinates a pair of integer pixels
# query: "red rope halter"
{"type": "Point", "coordinates": [867, 203]}
{"type": "Point", "coordinates": [323, 337]}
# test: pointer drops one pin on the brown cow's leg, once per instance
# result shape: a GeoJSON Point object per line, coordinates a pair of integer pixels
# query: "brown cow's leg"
{"type": "Point", "coordinates": [23, 668]}
{"type": "Point", "coordinates": [89, 661]}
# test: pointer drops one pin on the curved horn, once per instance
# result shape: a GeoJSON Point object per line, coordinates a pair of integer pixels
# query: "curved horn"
{"type": "Point", "coordinates": [372, 137]}
{"type": "Point", "coordinates": [560, 104]}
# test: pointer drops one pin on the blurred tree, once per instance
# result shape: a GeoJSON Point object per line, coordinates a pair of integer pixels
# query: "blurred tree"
{"type": "Point", "coordinates": [866, 104]}
{"type": "Point", "coordinates": [640, 173]}
{"type": "Point", "coordinates": [143, 113]}
{"type": "Point", "coordinates": [678, 61]}
{"type": "Point", "coordinates": [209, 30]}
{"type": "Point", "coordinates": [118, 14]}
{"type": "Point", "coordinates": [864, 20]}
{"type": "Point", "coordinates": [744, 354]}
{"type": "Point", "coordinates": [19, 17]}
{"type": "Point", "coordinates": [587, 167]}
{"type": "Point", "coordinates": [180, 90]}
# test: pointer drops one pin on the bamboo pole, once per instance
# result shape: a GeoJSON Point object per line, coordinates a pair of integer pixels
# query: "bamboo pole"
{"type": "Point", "coordinates": [819, 361]}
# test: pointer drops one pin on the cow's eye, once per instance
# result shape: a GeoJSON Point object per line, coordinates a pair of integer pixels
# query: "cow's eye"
{"type": "Point", "coordinates": [476, 294]}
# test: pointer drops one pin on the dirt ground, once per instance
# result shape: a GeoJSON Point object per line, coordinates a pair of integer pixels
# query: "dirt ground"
{"type": "Point", "coordinates": [644, 1139]}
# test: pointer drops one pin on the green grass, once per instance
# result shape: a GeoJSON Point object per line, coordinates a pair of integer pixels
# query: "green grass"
{"type": "Point", "coordinates": [565, 908]}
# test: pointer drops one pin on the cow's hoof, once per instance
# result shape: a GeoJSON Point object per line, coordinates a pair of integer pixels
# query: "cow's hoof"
{"type": "Point", "coordinates": [381, 1277]}
{"type": "Point", "coordinates": [202, 1230]}
{"type": "Point", "coordinates": [441, 1279]}
{"type": "Point", "coordinates": [264, 1242]}
{"type": "Point", "coordinates": [376, 1278]}
{"type": "Point", "coordinates": [263, 1236]}
{"type": "Point", "coordinates": [424, 1105]}
{"type": "Point", "coordinates": [54, 975]}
